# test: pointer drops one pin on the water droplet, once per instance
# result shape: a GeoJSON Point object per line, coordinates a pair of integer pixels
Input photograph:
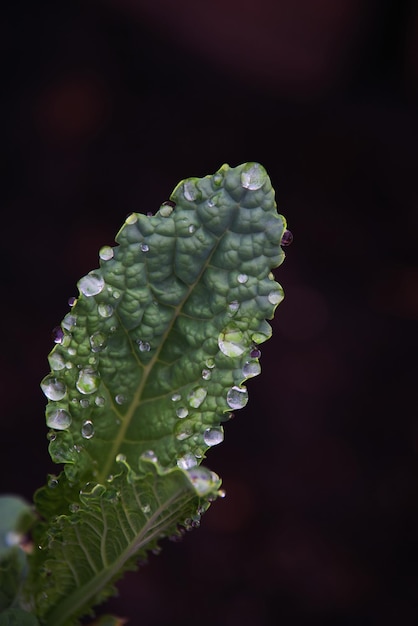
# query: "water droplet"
{"type": "Point", "coordinates": [52, 481]}
{"type": "Point", "coordinates": [149, 455]}
{"type": "Point", "coordinates": [87, 430]}
{"type": "Point", "coordinates": [233, 306]}
{"type": "Point", "coordinates": [53, 388]}
{"type": "Point", "coordinates": [131, 219]}
{"type": "Point", "coordinates": [210, 363]}
{"type": "Point", "coordinates": [167, 208]}
{"type": "Point", "coordinates": [211, 202]}
{"type": "Point", "coordinates": [69, 322]}
{"type": "Point", "coordinates": [253, 176]}
{"type": "Point", "coordinates": [116, 294]}
{"type": "Point", "coordinates": [213, 436]}
{"type": "Point", "coordinates": [190, 191]}
{"type": "Point", "coordinates": [97, 341]}
{"type": "Point", "coordinates": [184, 434]}
{"type": "Point", "coordinates": [251, 368]}
{"type": "Point", "coordinates": [196, 397]}
{"type": "Point", "coordinates": [230, 341]}
{"type": "Point", "coordinates": [218, 178]}
{"type": "Point", "coordinates": [192, 229]}
{"type": "Point", "coordinates": [91, 285]}
{"type": "Point", "coordinates": [120, 458]}
{"type": "Point", "coordinates": [275, 297]}
{"type": "Point", "coordinates": [206, 374]}
{"type": "Point", "coordinates": [221, 493]}
{"type": "Point", "coordinates": [287, 238]}
{"type": "Point", "coordinates": [72, 351]}
{"type": "Point", "coordinates": [242, 278]}
{"type": "Point", "coordinates": [58, 419]}
{"type": "Point", "coordinates": [202, 479]}
{"type": "Point", "coordinates": [99, 401]}
{"type": "Point", "coordinates": [270, 276]}
{"type": "Point", "coordinates": [187, 461]}
{"type": "Point", "coordinates": [58, 334]}
{"type": "Point", "coordinates": [84, 403]}
{"type": "Point", "coordinates": [144, 346]}
{"type": "Point", "coordinates": [182, 412]}
{"type": "Point", "coordinates": [237, 397]}
{"type": "Point", "coordinates": [176, 397]}
{"type": "Point", "coordinates": [105, 310]}
{"type": "Point", "coordinates": [56, 361]}
{"type": "Point", "coordinates": [106, 253]}
{"type": "Point", "coordinates": [119, 399]}
{"type": "Point", "coordinates": [51, 435]}
{"type": "Point", "coordinates": [146, 509]}
{"type": "Point", "coordinates": [255, 353]}
{"type": "Point", "coordinates": [144, 247]}
{"type": "Point", "coordinates": [88, 381]}
{"type": "Point", "coordinates": [72, 301]}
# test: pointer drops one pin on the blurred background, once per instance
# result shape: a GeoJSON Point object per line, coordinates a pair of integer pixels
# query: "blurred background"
{"type": "Point", "coordinates": [105, 106]}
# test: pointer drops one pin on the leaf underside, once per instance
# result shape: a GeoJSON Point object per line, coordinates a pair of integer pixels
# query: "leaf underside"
{"type": "Point", "coordinates": [148, 364]}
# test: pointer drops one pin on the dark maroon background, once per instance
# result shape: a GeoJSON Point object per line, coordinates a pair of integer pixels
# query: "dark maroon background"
{"type": "Point", "coordinates": [105, 106]}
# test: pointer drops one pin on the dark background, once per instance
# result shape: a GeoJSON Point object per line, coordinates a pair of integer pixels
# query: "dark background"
{"type": "Point", "coordinates": [105, 107]}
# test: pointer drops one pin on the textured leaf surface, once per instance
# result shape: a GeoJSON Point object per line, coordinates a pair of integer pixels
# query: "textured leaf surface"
{"type": "Point", "coordinates": [149, 362]}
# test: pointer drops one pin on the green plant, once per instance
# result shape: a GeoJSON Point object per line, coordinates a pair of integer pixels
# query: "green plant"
{"type": "Point", "coordinates": [147, 365]}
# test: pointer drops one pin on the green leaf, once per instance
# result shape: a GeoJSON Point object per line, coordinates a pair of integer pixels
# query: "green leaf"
{"type": "Point", "coordinates": [149, 363]}
{"type": "Point", "coordinates": [17, 617]}
{"type": "Point", "coordinates": [16, 517]}
{"type": "Point", "coordinates": [173, 311]}
{"type": "Point", "coordinates": [111, 527]}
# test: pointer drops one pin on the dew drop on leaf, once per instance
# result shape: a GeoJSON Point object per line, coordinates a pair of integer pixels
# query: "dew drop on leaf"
{"type": "Point", "coordinates": [176, 397]}
{"type": "Point", "coordinates": [144, 247]}
{"type": "Point", "coordinates": [58, 419]}
{"type": "Point", "coordinates": [251, 368]}
{"type": "Point", "coordinates": [91, 284]}
{"type": "Point", "coordinates": [231, 341]}
{"type": "Point", "coordinates": [53, 388]}
{"type": "Point", "coordinates": [242, 278]}
{"type": "Point", "coordinates": [149, 455]}
{"type": "Point", "coordinates": [131, 219]}
{"type": "Point", "coordinates": [144, 346]}
{"type": "Point", "coordinates": [72, 301]}
{"type": "Point", "coordinates": [275, 297]}
{"type": "Point", "coordinates": [106, 253]}
{"type": "Point", "coordinates": [255, 353]}
{"type": "Point", "coordinates": [233, 306]}
{"type": "Point", "coordinates": [119, 399]}
{"type": "Point", "coordinates": [210, 363]}
{"type": "Point", "coordinates": [287, 238]}
{"type": "Point", "coordinates": [202, 479]}
{"type": "Point", "coordinates": [182, 412]}
{"type": "Point", "coordinates": [97, 341]}
{"type": "Point", "coordinates": [237, 397]}
{"type": "Point", "coordinates": [196, 397]}
{"type": "Point", "coordinates": [105, 310]}
{"type": "Point", "coordinates": [87, 429]}
{"type": "Point", "coordinates": [213, 436]}
{"type": "Point", "coordinates": [87, 382]}
{"type": "Point", "coordinates": [187, 461]}
{"type": "Point", "coordinates": [69, 322]}
{"type": "Point", "coordinates": [56, 361]}
{"type": "Point", "coordinates": [120, 458]}
{"type": "Point", "coordinates": [99, 401]}
{"type": "Point", "coordinates": [190, 191]}
{"type": "Point", "coordinates": [57, 334]}
{"type": "Point", "coordinates": [206, 374]}
{"type": "Point", "coordinates": [253, 177]}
